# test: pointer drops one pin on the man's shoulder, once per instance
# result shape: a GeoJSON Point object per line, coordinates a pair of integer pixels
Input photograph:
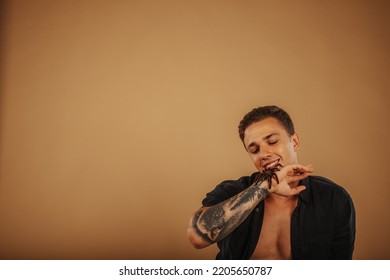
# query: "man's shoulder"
{"type": "Point", "coordinates": [328, 198]}
{"type": "Point", "coordinates": [321, 181]}
{"type": "Point", "coordinates": [323, 186]}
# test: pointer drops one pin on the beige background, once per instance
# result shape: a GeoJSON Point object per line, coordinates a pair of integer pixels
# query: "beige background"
{"type": "Point", "coordinates": [118, 116]}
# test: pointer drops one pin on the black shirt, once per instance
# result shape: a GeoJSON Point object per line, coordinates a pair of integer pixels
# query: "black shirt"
{"type": "Point", "coordinates": [322, 224]}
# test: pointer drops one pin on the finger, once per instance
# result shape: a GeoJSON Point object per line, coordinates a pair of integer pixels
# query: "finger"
{"type": "Point", "coordinates": [297, 190]}
{"type": "Point", "coordinates": [296, 168]}
{"type": "Point", "coordinates": [300, 169]}
{"type": "Point", "coordinates": [291, 172]}
{"type": "Point", "coordinates": [297, 177]}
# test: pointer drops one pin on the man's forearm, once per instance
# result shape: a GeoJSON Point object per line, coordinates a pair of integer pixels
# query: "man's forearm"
{"type": "Point", "coordinates": [216, 222]}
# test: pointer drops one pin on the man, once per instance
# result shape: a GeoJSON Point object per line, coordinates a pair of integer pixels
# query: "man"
{"type": "Point", "coordinates": [279, 212]}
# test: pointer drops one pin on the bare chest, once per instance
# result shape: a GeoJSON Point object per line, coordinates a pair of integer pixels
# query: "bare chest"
{"type": "Point", "coordinates": [274, 242]}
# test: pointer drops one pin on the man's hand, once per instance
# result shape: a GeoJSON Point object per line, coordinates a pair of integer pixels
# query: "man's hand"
{"type": "Point", "coordinates": [289, 177]}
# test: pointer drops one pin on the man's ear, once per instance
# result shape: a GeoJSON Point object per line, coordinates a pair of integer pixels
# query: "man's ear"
{"type": "Point", "coordinates": [295, 141]}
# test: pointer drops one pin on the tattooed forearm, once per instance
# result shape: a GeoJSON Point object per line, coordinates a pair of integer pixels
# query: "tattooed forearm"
{"type": "Point", "coordinates": [216, 222]}
{"type": "Point", "coordinates": [253, 193]}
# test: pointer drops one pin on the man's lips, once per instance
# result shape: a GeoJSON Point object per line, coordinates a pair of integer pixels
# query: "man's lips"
{"type": "Point", "coordinates": [270, 164]}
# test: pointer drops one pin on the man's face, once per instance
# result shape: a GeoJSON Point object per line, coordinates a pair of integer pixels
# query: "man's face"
{"type": "Point", "coordinates": [268, 144]}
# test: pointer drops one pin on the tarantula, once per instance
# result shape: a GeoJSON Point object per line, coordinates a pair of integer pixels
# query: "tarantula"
{"type": "Point", "coordinates": [268, 175]}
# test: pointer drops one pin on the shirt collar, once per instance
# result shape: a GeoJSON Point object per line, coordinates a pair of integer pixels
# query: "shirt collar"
{"type": "Point", "coordinates": [305, 195]}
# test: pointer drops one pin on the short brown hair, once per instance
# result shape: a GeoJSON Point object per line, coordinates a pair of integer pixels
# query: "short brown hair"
{"type": "Point", "coordinates": [260, 113]}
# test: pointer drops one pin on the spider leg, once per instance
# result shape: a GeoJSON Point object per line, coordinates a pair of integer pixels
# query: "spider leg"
{"type": "Point", "coordinates": [269, 180]}
{"type": "Point", "coordinates": [274, 175]}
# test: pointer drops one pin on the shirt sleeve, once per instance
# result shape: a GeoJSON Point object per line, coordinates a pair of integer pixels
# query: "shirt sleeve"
{"type": "Point", "coordinates": [222, 192]}
{"type": "Point", "coordinates": [345, 228]}
{"type": "Point", "coordinates": [227, 189]}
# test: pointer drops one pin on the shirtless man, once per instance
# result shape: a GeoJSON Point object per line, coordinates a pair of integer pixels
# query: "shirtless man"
{"type": "Point", "coordinates": [292, 216]}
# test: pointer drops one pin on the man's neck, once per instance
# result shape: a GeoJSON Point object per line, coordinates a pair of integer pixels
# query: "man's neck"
{"type": "Point", "coordinates": [281, 201]}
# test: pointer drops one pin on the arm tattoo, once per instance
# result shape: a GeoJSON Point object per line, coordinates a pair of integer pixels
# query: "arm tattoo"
{"type": "Point", "coordinates": [218, 221]}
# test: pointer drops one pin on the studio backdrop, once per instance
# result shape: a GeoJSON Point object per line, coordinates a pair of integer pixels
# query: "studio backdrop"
{"type": "Point", "coordinates": [117, 117]}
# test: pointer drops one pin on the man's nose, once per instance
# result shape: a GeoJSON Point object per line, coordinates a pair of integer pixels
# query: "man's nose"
{"type": "Point", "coordinates": [265, 153]}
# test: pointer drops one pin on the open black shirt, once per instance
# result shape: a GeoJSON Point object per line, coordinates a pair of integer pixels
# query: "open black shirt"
{"type": "Point", "coordinates": [322, 224]}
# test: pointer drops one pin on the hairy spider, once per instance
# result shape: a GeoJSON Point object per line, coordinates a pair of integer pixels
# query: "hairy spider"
{"type": "Point", "coordinates": [268, 175]}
